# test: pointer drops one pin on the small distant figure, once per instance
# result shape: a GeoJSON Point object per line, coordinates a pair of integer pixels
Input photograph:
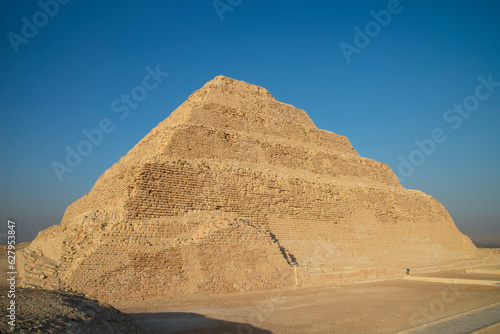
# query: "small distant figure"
{"type": "Point", "coordinates": [407, 272]}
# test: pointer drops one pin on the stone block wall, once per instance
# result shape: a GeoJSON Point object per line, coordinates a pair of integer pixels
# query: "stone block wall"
{"type": "Point", "coordinates": [236, 191]}
{"type": "Point", "coordinates": [195, 253]}
{"type": "Point", "coordinates": [351, 217]}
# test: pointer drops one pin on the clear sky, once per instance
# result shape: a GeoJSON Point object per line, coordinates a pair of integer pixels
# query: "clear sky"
{"type": "Point", "coordinates": [383, 73]}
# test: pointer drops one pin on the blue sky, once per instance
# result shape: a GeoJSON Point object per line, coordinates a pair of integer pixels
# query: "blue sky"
{"type": "Point", "coordinates": [395, 89]}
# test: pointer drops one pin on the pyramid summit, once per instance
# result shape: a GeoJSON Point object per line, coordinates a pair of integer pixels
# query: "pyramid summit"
{"type": "Point", "coordinates": [236, 191]}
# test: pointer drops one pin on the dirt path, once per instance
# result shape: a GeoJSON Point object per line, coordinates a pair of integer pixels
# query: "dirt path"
{"type": "Point", "coordinates": [480, 320]}
{"type": "Point", "coordinates": [375, 307]}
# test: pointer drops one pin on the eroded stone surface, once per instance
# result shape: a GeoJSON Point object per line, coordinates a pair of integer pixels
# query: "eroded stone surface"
{"type": "Point", "coordinates": [236, 191]}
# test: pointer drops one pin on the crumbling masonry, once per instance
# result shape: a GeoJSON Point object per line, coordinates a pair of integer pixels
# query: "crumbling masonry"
{"type": "Point", "coordinates": [236, 191]}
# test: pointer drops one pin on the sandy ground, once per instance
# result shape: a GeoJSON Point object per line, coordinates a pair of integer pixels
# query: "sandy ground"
{"type": "Point", "coordinates": [475, 321]}
{"type": "Point", "coordinates": [373, 307]}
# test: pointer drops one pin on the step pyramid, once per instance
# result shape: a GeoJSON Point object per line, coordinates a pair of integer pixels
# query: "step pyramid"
{"type": "Point", "coordinates": [236, 191]}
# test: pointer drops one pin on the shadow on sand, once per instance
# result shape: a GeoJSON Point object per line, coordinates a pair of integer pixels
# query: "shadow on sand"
{"type": "Point", "coordinates": [191, 323]}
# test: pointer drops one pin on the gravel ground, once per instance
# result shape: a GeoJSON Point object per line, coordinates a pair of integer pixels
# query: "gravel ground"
{"type": "Point", "coordinates": [42, 311]}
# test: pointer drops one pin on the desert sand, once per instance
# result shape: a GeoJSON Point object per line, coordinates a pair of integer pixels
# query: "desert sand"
{"type": "Point", "coordinates": [386, 306]}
